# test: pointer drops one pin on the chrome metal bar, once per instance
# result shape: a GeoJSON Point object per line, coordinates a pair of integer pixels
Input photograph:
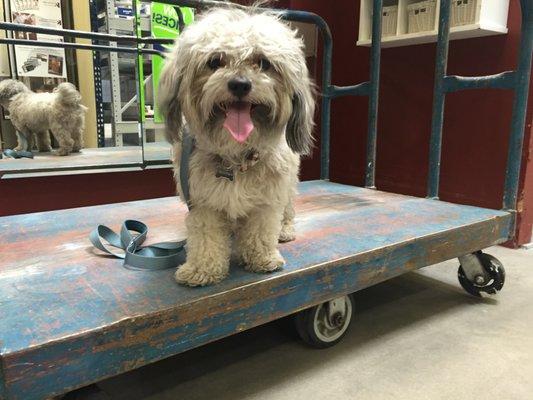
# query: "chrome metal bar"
{"type": "Point", "coordinates": [362, 89]}
{"type": "Point", "coordinates": [79, 46]}
{"type": "Point", "coordinates": [8, 26]}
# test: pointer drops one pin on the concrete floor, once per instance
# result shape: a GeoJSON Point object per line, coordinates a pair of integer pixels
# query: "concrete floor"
{"type": "Point", "coordinates": [418, 336]}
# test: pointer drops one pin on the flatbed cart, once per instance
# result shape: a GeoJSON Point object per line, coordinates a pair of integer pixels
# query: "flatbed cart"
{"type": "Point", "coordinates": [70, 318]}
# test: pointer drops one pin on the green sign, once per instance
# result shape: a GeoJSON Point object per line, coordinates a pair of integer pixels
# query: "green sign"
{"type": "Point", "coordinates": [165, 24]}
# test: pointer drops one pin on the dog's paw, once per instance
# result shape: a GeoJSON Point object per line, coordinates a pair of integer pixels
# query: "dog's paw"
{"type": "Point", "coordinates": [20, 148]}
{"type": "Point", "coordinates": [287, 234]}
{"type": "Point", "coordinates": [45, 149]}
{"type": "Point", "coordinates": [62, 152]}
{"type": "Point", "coordinates": [264, 263]}
{"type": "Point", "coordinates": [191, 275]}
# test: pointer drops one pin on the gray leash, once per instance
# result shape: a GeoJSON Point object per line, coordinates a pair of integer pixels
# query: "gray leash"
{"type": "Point", "coordinates": [156, 256]}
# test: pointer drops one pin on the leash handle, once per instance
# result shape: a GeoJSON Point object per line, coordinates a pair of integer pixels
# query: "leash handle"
{"type": "Point", "coordinates": [159, 255]}
{"type": "Point", "coordinates": [154, 257]}
{"type": "Point", "coordinates": [17, 153]}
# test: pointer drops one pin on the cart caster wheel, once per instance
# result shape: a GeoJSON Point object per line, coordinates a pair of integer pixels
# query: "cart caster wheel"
{"type": "Point", "coordinates": [495, 271]}
{"type": "Point", "coordinates": [326, 324]}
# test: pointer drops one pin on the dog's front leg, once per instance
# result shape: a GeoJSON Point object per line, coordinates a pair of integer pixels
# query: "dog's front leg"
{"type": "Point", "coordinates": [287, 233]}
{"type": "Point", "coordinates": [24, 141]}
{"type": "Point", "coordinates": [208, 248]}
{"type": "Point", "coordinates": [44, 144]}
{"type": "Point", "coordinates": [257, 240]}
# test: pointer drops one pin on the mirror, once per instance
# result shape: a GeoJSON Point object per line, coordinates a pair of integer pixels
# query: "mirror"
{"type": "Point", "coordinates": [107, 91]}
{"type": "Point", "coordinates": [123, 125]}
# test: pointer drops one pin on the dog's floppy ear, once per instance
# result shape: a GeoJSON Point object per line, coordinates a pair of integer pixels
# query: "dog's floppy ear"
{"type": "Point", "coordinates": [9, 88]}
{"type": "Point", "coordinates": [300, 126]}
{"type": "Point", "coordinates": [168, 100]}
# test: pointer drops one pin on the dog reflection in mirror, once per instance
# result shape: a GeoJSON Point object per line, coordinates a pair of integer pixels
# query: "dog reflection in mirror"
{"type": "Point", "coordinates": [238, 79]}
{"type": "Point", "coordinates": [35, 114]}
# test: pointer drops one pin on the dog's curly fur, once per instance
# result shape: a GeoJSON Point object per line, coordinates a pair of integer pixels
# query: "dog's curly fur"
{"type": "Point", "coordinates": [257, 206]}
{"type": "Point", "coordinates": [60, 112]}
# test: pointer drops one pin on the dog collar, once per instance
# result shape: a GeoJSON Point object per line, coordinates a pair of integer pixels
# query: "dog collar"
{"type": "Point", "coordinates": [226, 169]}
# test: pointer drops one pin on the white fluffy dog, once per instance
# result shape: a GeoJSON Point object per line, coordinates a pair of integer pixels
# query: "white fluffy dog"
{"type": "Point", "coordinates": [239, 80]}
{"type": "Point", "coordinates": [31, 113]}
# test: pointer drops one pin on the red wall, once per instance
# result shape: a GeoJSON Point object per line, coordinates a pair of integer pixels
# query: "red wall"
{"type": "Point", "coordinates": [26, 195]}
{"type": "Point", "coordinates": [476, 127]}
{"type": "Point", "coordinates": [475, 130]}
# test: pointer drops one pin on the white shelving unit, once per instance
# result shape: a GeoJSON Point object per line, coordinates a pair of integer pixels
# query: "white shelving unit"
{"type": "Point", "coordinates": [469, 18]}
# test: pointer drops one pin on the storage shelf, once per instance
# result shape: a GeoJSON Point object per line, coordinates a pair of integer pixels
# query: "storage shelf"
{"type": "Point", "coordinates": [123, 127]}
{"type": "Point", "coordinates": [126, 24]}
{"type": "Point", "coordinates": [457, 32]}
{"type": "Point", "coordinates": [469, 19]}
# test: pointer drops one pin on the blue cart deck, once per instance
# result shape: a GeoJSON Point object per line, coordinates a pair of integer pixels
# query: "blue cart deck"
{"type": "Point", "coordinates": [69, 317]}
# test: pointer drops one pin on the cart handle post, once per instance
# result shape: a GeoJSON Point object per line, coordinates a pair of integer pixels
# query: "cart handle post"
{"type": "Point", "coordinates": [441, 62]}
{"type": "Point", "coordinates": [521, 87]}
{"type": "Point", "coordinates": [517, 81]}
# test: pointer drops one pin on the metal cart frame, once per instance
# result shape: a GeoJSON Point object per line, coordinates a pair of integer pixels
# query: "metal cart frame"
{"type": "Point", "coordinates": [351, 238]}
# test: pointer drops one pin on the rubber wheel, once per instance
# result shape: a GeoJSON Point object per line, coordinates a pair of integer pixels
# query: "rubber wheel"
{"type": "Point", "coordinates": [320, 330]}
{"type": "Point", "coordinates": [494, 269]}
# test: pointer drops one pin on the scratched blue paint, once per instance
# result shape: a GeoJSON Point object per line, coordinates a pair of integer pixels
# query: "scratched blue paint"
{"type": "Point", "coordinates": [375, 64]}
{"type": "Point", "coordinates": [361, 89]}
{"type": "Point", "coordinates": [374, 223]}
{"type": "Point", "coordinates": [94, 365]}
{"type": "Point", "coordinates": [73, 291]}
{"type": "Point", "coordinates": [504, 80]}
{"type": "Point", "coordinates": [3, 392]}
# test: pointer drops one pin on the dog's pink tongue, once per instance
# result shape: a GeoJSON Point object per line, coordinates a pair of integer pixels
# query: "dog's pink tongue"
{"type": "Point", "coordinates": [238, 121]}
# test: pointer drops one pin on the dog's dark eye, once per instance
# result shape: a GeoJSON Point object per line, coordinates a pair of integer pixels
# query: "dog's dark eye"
{"type": "Point", "coordinates": [215, 63]}
{"type": "Point", "coordinates": [264, 64]}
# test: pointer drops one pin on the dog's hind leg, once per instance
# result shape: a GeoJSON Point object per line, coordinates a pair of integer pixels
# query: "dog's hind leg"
{"type": "Point", "coordinates": [44, 145]}
{"type": "Point", "coordinates": [287, 233]}
{"type": "Point", "coordinates": [65, 141]}
{"type": "Point", "coordinates": [208, 248]}
{"type": "Point", "coordinates": [257, 240]}
{"type": "Point", "coordinates": [77, 136]}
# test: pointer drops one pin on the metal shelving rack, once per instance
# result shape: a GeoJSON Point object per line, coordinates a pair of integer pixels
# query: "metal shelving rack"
{"type": "Point", "coordinates": [97, 70]}
{"type": "Point", "coordinates": [116, 25]}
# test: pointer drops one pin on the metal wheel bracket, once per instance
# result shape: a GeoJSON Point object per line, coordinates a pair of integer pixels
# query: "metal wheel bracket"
{"type": "Point", "coordinates": [336, 309]}
{"type": "Point", "coordinates": [473, 269]}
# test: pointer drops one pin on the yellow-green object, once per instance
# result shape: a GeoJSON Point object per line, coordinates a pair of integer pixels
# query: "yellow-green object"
{"type": "Point", "coordinates": [165, 24]}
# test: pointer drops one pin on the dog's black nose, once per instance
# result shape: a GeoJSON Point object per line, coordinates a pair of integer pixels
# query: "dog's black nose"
{"type": "Point", "coordinates": [240, 86]}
